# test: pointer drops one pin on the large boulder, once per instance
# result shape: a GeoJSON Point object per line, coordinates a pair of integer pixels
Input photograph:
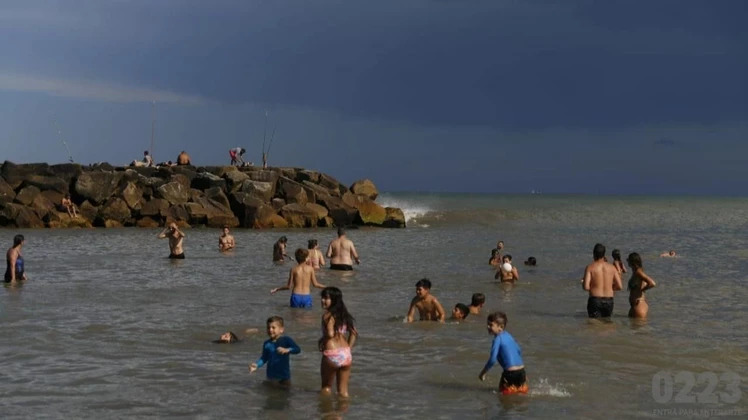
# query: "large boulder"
{"type": "Point", "coordinates": [331, 183]}
{"type": "Point", "coordinates": [154, 207]}
{"type": "Point", "coordinates": [88, 210]}
{"type": "Point", "coordinates": [42, 206]}
{"type": "Point", "coordinates": [6, 191]}
{"type": "Point", "coordinates": [15, 174]}
{"type": "Point", "coordinates": [321, 211]}
{"type": "Point", "coordinates": [371, 213]}
{"type": "Point", "coordinates": [116, 209]}
{"type": "Point", "coordinates": [278, 203]}
{"type": "Point", "coordinates": [309, 176]}
{"type": "Point", "coordinates": [182, 179]}
{"type": "Point", "coordinates": [299, 215]}
{"type": "Point", "coordinates": [264, 175]}
{"type": "Point", "coordinates": [341, 213]}
{"type": "Point", "coordinates": [132, 195]}
{"type": "Point", "coordinates": [173, 192]}
{"type": "Point", "coordinates": [262, 190]}
{"type": "Point", "coordinates": [19, 216]}
{"type": "Point", "coordinates": [365, 187]}
{"type": "Point", "coordinates": [292, 191]}
{"type": "Point", "coordinates": [319, 190]}
{"type": "Point", "coordinates": [394, 219]}
{"type": "Point", "coordinates": [234, 179]}
{"type": "Point", "coordinates": [205, 180]}
{"type": "Point", "coordinates": [210, 213]}
{"type": "Point", "coordinates": [178, 214]}
{"type": "Point", "coordinates": [27, 195]}
{"type": "Point", "coordinates": [251, 211]}
{"type": "Point", "coordinates": [216, 194]}
{"type": "Point", "coordinates": [146, 222]}
{"type": "Point", "coordinates": [66, 171]}
{"type": "Point", "coordinates": [97, 187]}
{"type": "Point", "coordinates": [53, 196]}
{"type": "Point", "coordinates": [45, 183]}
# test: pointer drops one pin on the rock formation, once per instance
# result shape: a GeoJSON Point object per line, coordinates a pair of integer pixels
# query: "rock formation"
{"type": "Point", "coordinates": [214, 196]}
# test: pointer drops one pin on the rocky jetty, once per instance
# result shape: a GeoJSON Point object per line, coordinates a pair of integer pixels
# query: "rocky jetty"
{"type": "Point", "coordinates": [214, 196]}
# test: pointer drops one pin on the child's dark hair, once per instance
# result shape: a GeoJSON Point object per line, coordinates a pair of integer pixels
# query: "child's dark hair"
{"type": "Point", "coordinates": [301, 255]}
{"type": "Point", "coordinates": [282, 239]}
{"type": "Point", "coordinates": [275, 318]}
{"type": "Point", "coordinates": [464, 309]}
{"type": "Point", "coordinates": [17, 240]}
{"type": "Point", "coordinates": [424, 283]}
{"type": "Point", "coordinates": [312, 243]}
{"type": "Point", "coordinates": [616, 255]}
{"type": "Point", "coordinates": [498, 317]}
{"type": "Point", "coordinates": [478, 299]}
{"type": "Point", "coordinates": [232, 339]}
{"type": "Point", "coordinates": [338, 310]}
{"type": "Point", "coordinates": [531, 261]}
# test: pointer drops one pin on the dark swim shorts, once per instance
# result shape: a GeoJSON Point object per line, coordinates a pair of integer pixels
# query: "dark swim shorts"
{"type": "Point", "coordinates": [513, 382]}
{"type": "Point", "coordinates": [301, 301]}
{"type": "Point", "coordinates": [176, 257]}
{"type": "Point", "coordinates": [341, 267]}
{"type": "Point", "coordinates": [599, 307]}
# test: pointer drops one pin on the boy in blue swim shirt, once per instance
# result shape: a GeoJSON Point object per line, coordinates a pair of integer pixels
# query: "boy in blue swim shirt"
{"type": "Point", "coordinates": [300, 280]}
{"type": "Point", "coordinates": [507, 353]}
{"type": "Point", "coordinates": [275, 352]}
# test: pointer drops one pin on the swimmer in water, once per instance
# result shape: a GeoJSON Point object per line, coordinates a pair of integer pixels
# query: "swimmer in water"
{"type": "Point", "coordinates": [300, 280]}
{"type": "Point", "coordinates": [460, 312]}
{"type": "Point", "coordinates": [617, 263]}
{"type": "Point", "coordinates": [428, 306]}
{"type": "Point", "coordinates": [279, 249]}
{"type": "Point", "coordinates": [226, 240]}
{"type": "Point", "coordinates": [506, 352]}
{"type": "Point", "coordinates": [14, 270]}
{"type": "Point", "coordinates": [476, 303]}
{"type": "Point", "coordinates": [669, 254]}
{"type": "Point", "coordinates": [507, 272]}
{"type": "Point", "coordinates": [275, 352]}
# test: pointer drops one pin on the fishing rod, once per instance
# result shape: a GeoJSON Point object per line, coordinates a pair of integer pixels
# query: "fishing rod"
{"type": "Point", "coordinates": [59, 132]}
{"type": "Point", "coordinates": [153, 126]}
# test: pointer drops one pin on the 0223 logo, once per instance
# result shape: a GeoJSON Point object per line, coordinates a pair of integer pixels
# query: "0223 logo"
{"type": "Point", "coordinates": [724, 388]}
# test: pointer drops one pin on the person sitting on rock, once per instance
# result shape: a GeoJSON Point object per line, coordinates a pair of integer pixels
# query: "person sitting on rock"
{"type": "Point", "coordinates": [183, 159]}
{"type": "Point", "coordinates": [69, 206]}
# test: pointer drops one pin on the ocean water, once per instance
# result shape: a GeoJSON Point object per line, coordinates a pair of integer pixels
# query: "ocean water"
{"type": "Point", "coordinates": [108, 327]}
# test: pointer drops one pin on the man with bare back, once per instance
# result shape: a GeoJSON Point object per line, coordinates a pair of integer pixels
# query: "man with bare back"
{"type": "Point", "coordinates": [601, 280]}
{"type": "Point", "coordinates": [341, 251]}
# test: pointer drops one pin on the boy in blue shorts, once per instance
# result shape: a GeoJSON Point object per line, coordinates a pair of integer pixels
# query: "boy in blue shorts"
{"type": "Point", "coordinates": [275, 353]}
{"type": "Point", "coordinates": [300, 280]}
{"type": "Point", "coordinates": [507, 353]}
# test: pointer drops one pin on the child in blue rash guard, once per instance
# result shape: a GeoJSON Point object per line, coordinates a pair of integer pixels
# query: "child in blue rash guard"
{"type": "Point", "coordinates": [507, 353]}
{"type": "Point", "coordinates": [275, 352]}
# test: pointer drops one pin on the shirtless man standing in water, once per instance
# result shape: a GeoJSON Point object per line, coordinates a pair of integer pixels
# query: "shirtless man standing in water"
{"type": "Point", "coordinates": [341, 251]}
{"type": "Point", "coordinates": [176, 237]}
{"type": "Point", "coordinates": [601, 280]}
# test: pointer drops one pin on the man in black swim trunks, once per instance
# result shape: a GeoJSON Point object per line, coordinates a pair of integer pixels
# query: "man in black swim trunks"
{"type": "Point", "coordinates": [176, 237]}
{"type": "Point", "coordinates": [341, 251]}
{"type": "Point", "coordinates": [601, 280]}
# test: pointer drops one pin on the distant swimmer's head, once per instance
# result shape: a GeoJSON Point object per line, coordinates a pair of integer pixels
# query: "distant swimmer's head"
{"type": "Point", "coordinates": [598, 252]}
{"type": "Point", "coordinates": [227, 338]}
{"type": "Point", "coordinates": [500, 245]}
{"type": "Point", "coordinates": [17, 240]}
{"type": "Point", "coordinates": [460, 311]}
{"type": "Point", "coordinates": [616, 255]}
{"type": "Point", "coordinates": [341, 231]}
{"type": "Point", "coordinates": [496, 322]}
{"type": "Point", "coordinates": [301, 255]}
{"type": "Point", "coordinates": [282, 240]}
{"type": "Point", "coordinates": [672, 253]}
{"type": "Point", "coordinates": [478, 299]}
{"type": "Point", "coordinates": [531, 261]}
{"type": "Point", "coordinates": [507, 259]}
{"type": "Point", "coordinates": [312, 244]}
{"type": "Point", "coordinates": [225, 230]}
{"type": "Point", "coordinates": [635, 260]}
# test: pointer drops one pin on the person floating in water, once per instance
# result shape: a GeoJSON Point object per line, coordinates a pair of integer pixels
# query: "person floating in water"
{"type": "Point", "coordinates": [427, 305]}
{"type": "Point", "coordinates": [506, 271]}
{"type": "Point", "coordinates": [460, 311]}
{"type": "Point", "coordinates": [279, 249]}
{"type": "Point", "coordinates": [506, 352]}
{"type": "Point", "coordinates": [341, 251]}
{"type": "Point", "coordinates": [669, 254]}
{"type": "Point", "coordinates": [227, 338]}
{"type": "Point", "coordinates": [338, 337]}
{"type": "Point", "coordinates": [638, 284]}
{"type": "Point", "coordinates": [300, 279]}
{"type": "Point", "coordinates": [617, 263]}
{"type": "Point", "coordinates": [226, 240]}
{"type": "Point", "coordinates": [316, 259]}
{"type": "Point", "coordinates": [531, 261]}
{"type": "Point", "coordinates": [176, 238]}
{"type": "Point", "coordinates": [14, 269]}
{"type": "Point", "coordinates": [601, 280]}
{"type": "Point", "coordinates": [275, 352]}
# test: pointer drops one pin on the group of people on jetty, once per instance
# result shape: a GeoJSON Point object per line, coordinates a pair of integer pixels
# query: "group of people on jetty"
{"type": "Point", "coordinates": [236, 156]}
{"type": "Point", "coordinates": [601, 280]}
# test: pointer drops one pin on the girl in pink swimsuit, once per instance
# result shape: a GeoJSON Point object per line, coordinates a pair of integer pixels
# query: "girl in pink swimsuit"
{"type": "Point", "coordinates": [338, 336]}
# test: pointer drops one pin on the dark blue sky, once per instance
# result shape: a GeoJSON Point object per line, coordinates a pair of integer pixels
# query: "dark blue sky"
{"type": "Point", "coordinates": [607, 97]}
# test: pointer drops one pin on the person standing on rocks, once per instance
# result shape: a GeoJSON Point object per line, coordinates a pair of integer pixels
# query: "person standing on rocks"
{"type": "Point", "coordinates": [236, 156]}
{"type": "Point", "coordinates": [341, 251]}
{"type": "Point", "coordinates": [176, 237]}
